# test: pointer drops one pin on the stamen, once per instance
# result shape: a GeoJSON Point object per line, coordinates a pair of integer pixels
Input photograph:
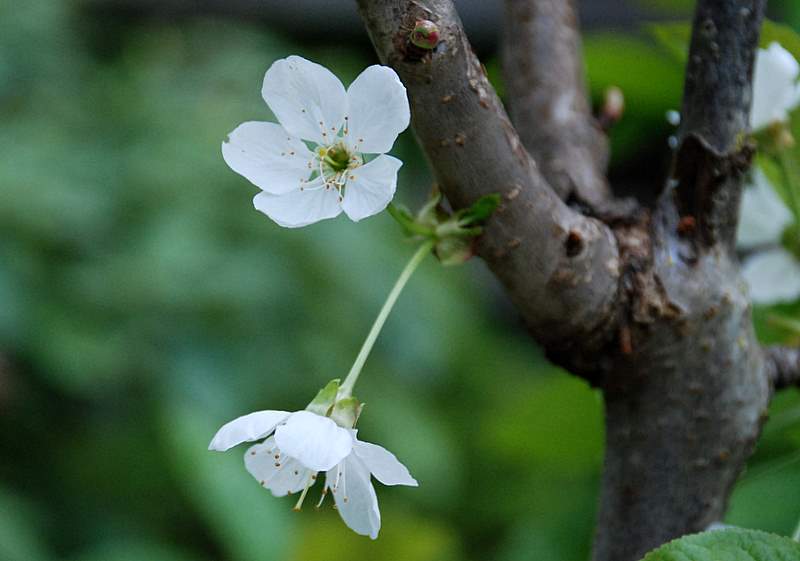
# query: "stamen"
{"type": "Point", "coordinates": [322, 497]}
{"type": "Point", "coordinates": [299, 504]}
{"type": "Point", "coordinates": [344, 483]}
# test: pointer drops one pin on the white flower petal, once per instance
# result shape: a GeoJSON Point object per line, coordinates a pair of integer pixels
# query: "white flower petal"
{"type": "Point", "coordinates": [774, 86]}
{"type": "Point", "coordinates": [303, 94]}
{"type": "Point", "coordinates": [316, 441]}
{"type": "Point", "coordinates": [377, 110]}
{"type": "Point", "coordinates": [764, 215]}
{"type": "Point", "coordinates": [276, 471]}
{"type": "Point", "coordinates": [301, 207]}
{"type": "Point", "coordinates": [383, 464]}
{"type": "Point", "coordinates": [247, 428]}
{"type": "Point", "coordinates": [268, 156]}
{"type": "Point", "coordinates": [773, 276]}
{"type": "Point", "coordinates": [370, 187]}
{"type": "Point", "coordinates": [355, 497]}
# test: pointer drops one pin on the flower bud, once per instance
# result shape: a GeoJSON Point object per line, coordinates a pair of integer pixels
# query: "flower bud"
{"type": "Point", "coordinates": [425, 34]}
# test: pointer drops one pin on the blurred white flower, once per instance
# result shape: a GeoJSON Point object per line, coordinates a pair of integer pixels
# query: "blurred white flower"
{"type": "Point", "coordinates": [775, 87]}
{"type": "Point", "coordinates": [312, 165]}
{"type": "Point", "coordinates": [772, 273]}
{"type": "Point", "coordinates": [305, 443]}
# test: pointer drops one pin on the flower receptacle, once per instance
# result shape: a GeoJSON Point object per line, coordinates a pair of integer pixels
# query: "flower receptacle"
{"type": "Point", "coordinates": [346, 411]}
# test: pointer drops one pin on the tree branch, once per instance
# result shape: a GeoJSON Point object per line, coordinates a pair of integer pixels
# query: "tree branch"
{"type": "Point", "coordinates": [547, 98]}
{"type": "Point", "coordinates": [684, 409]}
{"type": "Point", "coordinates": [560, 268]}
{"type": "Point", "coordinates": [713, 154]}
{"type": "Point", "coordinates": [783, 366]}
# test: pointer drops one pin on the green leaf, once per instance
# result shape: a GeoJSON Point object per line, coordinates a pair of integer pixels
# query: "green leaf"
{"type": "Point", "coordinates": [734, 544]}
{"type": "Point", "coordinates": [480, 211]}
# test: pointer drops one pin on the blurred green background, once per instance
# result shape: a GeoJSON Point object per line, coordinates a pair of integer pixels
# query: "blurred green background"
{"type": "Point", "coordinates": [143, 303]}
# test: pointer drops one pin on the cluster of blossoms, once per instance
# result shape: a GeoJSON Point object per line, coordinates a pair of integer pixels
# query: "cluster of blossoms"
{"type": "Point", "coordinates": [322, 438]}
{"type": "Point", "coordinates": [327, 156]}
{"type": "Point", "coordinates": [768, 229]}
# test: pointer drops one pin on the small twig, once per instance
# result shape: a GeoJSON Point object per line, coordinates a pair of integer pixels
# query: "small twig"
{"type": "Point", "coordinates": [782, 366]}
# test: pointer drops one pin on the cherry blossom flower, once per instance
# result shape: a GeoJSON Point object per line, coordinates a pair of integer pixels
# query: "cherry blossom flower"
{"type": "Point", "coordinates": [297, 446]}
{"type": "Point", "coordinates": [771, 271]}
{"type": "Point", "coordinates": [775, 87]}
{"type": "Point", "coordinates": [328, 152]}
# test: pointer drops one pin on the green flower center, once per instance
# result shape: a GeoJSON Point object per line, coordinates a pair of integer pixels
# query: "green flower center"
{"type": "Point", "coordinates": [337, 157]}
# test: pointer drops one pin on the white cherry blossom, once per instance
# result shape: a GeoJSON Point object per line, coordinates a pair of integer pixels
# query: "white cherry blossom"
{"type": "Point", "coordinates": [315, 441]}
{"type": "Point", "coordinates": [318, 160]}
{"type": "Point", "coordinates": [304, 444]}
{"type": "Point", "coordinates": [350, 484]}
{"type": "Point", "coordinates": [771, 271]}
{"type": "Point", "coordinates": [775, 87]}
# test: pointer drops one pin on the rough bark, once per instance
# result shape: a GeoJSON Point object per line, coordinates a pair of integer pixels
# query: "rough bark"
{"type": "Point", "coordinates": [551, 109]}
{"type": "Point", "coordinates": [650, 306]}
{"type": "Point", "coordinates": [684, 411]}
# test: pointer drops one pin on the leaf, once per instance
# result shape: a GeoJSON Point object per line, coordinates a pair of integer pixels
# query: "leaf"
{"type": "Point", "coordinates": [480, 211]}
{"type": "Point", "coordinates": [733, 544]}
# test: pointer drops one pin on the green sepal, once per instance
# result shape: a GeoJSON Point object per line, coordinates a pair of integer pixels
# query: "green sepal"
{"type": "Point", "coordinates": [452, 234]}
{"type": "Point", "coordinates": [454, 250]}
{"type": "Point", "coordinates": [325, 399]}
{"type": "Point", "coordinates": [412, 226]}
{"type": "Point", "coordinates": [430, 214]}
{"type": "Point", "coordinates": [346, 411]}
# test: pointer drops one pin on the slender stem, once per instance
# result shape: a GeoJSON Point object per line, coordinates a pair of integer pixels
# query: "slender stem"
{"type": "Point", "coordinates": [347, 386]}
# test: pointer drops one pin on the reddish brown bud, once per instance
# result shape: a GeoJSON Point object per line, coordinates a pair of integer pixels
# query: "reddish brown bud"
{"type": "Point", "coordinates": [425, 34]}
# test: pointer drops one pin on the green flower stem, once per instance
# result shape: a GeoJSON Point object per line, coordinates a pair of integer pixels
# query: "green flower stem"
{"type": "Point", "coordinates": [346, 388]}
